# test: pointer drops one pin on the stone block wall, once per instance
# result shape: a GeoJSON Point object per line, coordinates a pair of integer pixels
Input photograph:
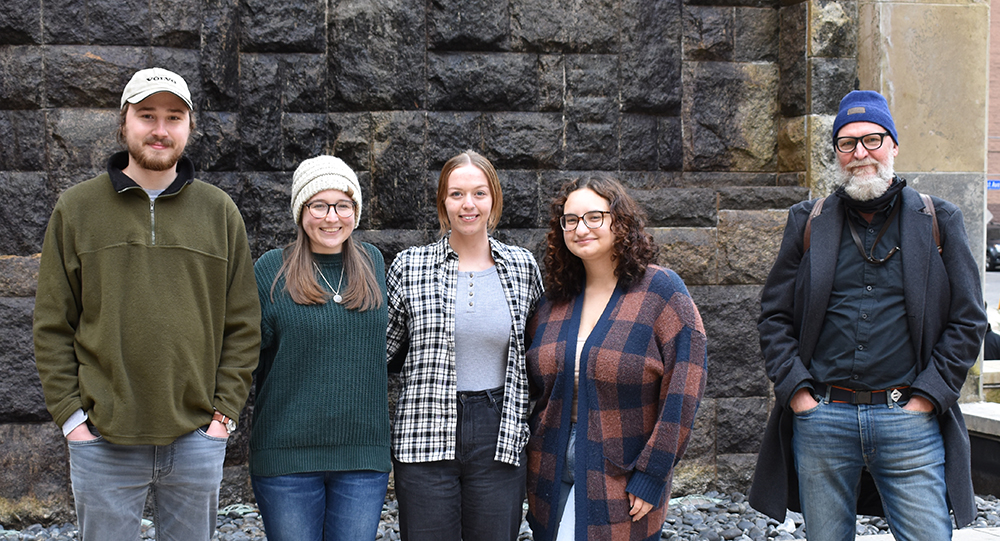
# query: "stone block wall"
{"type": "Point", "coordinates": [706, 109]}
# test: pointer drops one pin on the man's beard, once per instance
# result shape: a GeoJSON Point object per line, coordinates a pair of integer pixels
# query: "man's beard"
{"type": "Point", "coordinates": [148, 159]}
{"type": "Point", "coordinates": [867, 187]}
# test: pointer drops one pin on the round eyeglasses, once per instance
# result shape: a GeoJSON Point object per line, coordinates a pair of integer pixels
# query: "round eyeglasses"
{"type": "Point", "coordinates": [319, 209]}
{"type": "Point", "coordinates": [872, 141]}
{"type": "Point", "coordinates": [592, 220]}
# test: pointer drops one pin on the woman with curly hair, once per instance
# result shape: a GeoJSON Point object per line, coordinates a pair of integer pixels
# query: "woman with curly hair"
{"type": "Point", "coordinates": [617, 365]}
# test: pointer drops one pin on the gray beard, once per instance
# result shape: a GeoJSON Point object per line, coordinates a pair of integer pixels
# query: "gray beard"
{"type": "Point", "coordinates": [866, 188]}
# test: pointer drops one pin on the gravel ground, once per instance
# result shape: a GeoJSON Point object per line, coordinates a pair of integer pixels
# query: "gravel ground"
{"type": "Point", "coordinates": [708, 517]}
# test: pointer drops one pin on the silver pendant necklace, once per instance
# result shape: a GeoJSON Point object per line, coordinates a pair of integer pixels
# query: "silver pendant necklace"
{"type": "Point", "coordinates": [336, 292]}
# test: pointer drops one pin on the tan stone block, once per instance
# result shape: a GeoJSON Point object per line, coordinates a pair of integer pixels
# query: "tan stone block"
{"type": "Point", "coordinates": [34, 475]}
{"type": "Point", "coordinates": [748, 244]}
{"type": "Point", "coordinates": [18, 275]}
{"type": "Point", "coordinates": [822, 161]}
{"type": "Point", "coordinates": [792, 144]}
{"type": "Point", "coordinates": [930, 60]}
{"type": "Point", "coordinates": [691, 252]}
{"type": "Point", "coordinates": [693, 476]}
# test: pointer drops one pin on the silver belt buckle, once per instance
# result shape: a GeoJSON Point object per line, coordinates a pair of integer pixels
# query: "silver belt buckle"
{"type": "Point", "coordinates": [895, 395]}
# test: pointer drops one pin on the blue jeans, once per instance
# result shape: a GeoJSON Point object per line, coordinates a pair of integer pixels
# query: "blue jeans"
{"type": "Point", "coordinates": [903, 451]}
{"type": "Point", "coordinates": [321, 506]}
{"type": "Point", "coordinates": [110, 483]}
{"type": "Point", "coordinates": [472, 497]}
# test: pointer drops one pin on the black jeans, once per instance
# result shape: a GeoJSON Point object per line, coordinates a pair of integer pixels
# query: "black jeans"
{"type": "Point", "coordinates": [472, 497]}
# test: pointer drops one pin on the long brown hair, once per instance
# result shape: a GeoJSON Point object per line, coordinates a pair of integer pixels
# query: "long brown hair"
{"type": "Point", "coordinates": [470, 157]}
{"type": "Point", "coordinates": [633, 248]}
{"type": "Point", "coordinates": [362, 292]}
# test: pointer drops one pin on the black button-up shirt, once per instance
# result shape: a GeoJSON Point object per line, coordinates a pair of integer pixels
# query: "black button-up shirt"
{"type": "Point", "coordinates": [865, 343]}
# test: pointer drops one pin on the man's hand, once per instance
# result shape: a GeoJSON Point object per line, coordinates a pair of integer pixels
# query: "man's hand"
{"type": "Point", "coordinates": [919, 403]}
{"type": "Point", "coordinates": [217, 430]}
{"type": "Point", "coordinates": [638, 507]}
{"type": "Point", "coordinates": [803, 400]}
{"type": "Point", "coordinates": [80, 433]}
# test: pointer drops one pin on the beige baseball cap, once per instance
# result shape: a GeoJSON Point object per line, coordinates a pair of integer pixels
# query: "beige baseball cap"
{"type": "Point", "coordinates": [147, 82]}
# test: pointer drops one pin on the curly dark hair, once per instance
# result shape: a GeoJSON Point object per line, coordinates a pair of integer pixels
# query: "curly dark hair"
{"type": "Point", "coordinates": [633, 250]}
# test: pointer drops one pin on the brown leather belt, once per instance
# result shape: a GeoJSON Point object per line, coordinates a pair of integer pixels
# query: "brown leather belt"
{"type": "Point", "coordinates": [843, 395]}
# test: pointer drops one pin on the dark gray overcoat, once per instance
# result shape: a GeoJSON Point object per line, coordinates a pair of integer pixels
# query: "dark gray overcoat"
{"type": "Point", "coordinates": [945, 318]}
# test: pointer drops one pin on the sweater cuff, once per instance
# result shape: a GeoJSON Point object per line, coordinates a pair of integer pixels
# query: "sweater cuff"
{"type": "Point", "coordinates": [650, 489]}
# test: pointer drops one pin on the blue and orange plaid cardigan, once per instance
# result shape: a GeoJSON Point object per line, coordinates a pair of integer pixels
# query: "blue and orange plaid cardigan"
{"type": "Point", "coordinates": [642, 375]}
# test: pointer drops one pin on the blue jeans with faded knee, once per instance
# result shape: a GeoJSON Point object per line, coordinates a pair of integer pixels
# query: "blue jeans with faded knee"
{"type": "Point", "coordinates": [110, 484]}
{"type": "Point", "coordinates": [904, 452]}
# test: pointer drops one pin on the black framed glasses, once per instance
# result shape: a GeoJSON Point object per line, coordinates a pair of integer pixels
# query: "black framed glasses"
{"type": "Point", "coordinates": [319, 209]}
{"type": "Point", "coordinates": [872, 141]}
{"type": "Point", "coordinates": [592, 219]}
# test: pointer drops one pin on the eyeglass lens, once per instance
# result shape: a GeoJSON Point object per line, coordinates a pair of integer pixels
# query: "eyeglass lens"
{"type": "Point", "coordinates": [319, 209]}
{"type": "Point", "coordinates": [592, 220]}
{"type": "Point", "coordinates": [872, 141]}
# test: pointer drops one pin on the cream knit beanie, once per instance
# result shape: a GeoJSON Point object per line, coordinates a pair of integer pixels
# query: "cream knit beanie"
{"type": "Point", "coordinates": [319, 174]}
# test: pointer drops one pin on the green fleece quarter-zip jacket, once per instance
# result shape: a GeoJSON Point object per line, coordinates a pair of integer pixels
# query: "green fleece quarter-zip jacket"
{"type": "Point", "coordinates": [146, 314]}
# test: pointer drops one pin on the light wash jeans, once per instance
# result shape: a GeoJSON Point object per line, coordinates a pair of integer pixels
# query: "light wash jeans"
{"type": "Point", "coordinates": [110, 484]}
{"type": "Point", "coordinates": [902, 450]}
{"type": "Point", "coordinates": [321, 506]}
{"type": "Point", "coordinates": [472, 497]}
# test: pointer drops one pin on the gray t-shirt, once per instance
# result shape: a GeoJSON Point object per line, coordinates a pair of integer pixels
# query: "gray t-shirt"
{"type": "Point", "coordinates": [482, 331]}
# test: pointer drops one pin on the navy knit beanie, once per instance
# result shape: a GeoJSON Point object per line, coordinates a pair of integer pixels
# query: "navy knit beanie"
{"type": "Point", "coordinates": [864, 106]}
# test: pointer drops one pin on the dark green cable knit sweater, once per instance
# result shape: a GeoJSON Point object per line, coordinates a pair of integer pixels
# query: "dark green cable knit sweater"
{"type": "Point", "coordinates": [321, 383]}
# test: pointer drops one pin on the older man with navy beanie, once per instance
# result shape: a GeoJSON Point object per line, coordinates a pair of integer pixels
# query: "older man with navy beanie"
{"type": "Point", "coordinates": [870, 319]}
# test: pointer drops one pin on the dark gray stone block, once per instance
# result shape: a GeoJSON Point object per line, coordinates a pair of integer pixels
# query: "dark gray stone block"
{"type": "Point", "coordinates": [741, 423]}
{"type": "Point", "coordinates": [64, 22]}
{"type": "Point", "coordinates": [482, 81]}
{"type": "Point", "coordinates": [303, 136]}
{"type": "Point", "coordinates": [564, 26]}
{"type": "Point", "coordinates": [21, 23]}
{"type": "Point", "coordinates": [282, 27]}
{"type": "Point", "coordinates": [303, 81]}
{"type": "Point", "coordinates": [449, 133]}
{"type": "Point", "coordinates": [736, 365]}
{"type": "Point", "coordinates": [107, 24]}
{"type": "Point", "coordinates": [80, 76]}
{"type": "Point", "coordinates": [34, 475]}
{"type": "Point", "coordinates": [725, 179]}
{"type": "Point", "coordinates": [217, 148]}
{"type": "Point", "coordinates": [18, 276]}
{"type": "Point", "coordinates": [670, 144]}
{"type": "Point", "coordinates": [761, 197]}
{"type": "Point", "coordinates": [260, 113]}
{"type": "Point", "coordinates": [551, 82]}
{"type": "Point", "coordinates": [674, 207]}
{"type": "Point", "coordinates": [838, 76]}
{"type": "Point", "coordinates": [520, 199]}
{"type": "Point", "coordinates": [176, 24]}
{"type": "Point", "coordinates": [266, 209]}
{"type": "Point", "coordinates": [639, 138]}
{"type": "Point", "coordinates": [792, 25]}
{"type": "Point", "coordinates": [403, 188]}
{"type": "Point", "coordinates": [755, 35]}
{"type": "Point", "coordinates": [523, 140]}
{"type": "Point", "coordinates": [21, 77]}
{"type": "Point", "coordinates": [650, 70]}
{"type": "Point", "coordinates": [220, 62]}
{"type": "Point", "coordinates": [376, 54]}
{"type": "Point", "coordinates": [708, 33]}
{"type": "Point", "coordinates": [23, 136]}
{"type": "Point", "coordinates": [20, 389]}
{"type": "Point", "coordinates": [468, 25]}
{"type": "Point", "coordinates": [350, 138]}
{"type": "Point", "coordinates": [80, 141]}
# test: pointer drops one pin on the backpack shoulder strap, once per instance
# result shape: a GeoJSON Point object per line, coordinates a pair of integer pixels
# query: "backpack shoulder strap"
{"type": "Point", "coordinates": [816, 210]}
{"type": "Point", "coordinates": [929, 209]}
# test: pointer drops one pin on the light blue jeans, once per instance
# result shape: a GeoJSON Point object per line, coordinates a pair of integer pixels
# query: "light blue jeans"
{"type": "Point", "coordinates": [110, 484]}
{"type": "Point", "coordinates": [902, 450]}
{"type": "Point", "coordinates": [321, 506]}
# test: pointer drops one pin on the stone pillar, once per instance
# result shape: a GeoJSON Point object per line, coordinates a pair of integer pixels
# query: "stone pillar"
{"type": "Point", "coordinates": [930, 60]}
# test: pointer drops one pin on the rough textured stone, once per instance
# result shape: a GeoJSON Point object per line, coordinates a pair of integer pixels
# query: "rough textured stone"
{"type": "Point", "coordinates": [403, 189]}
{"type": "Point", "coordinates": [838, 76]}
{"type": "Point", "coordinates": [729, 116]}
{"type": "Point", "coordinates": [755, 35]}
{"type": "Point", "coordinates": [736, 366]}
{"type": "Point", "coordinates": [693, 476]}
{"type": "Point", "coordinates": [564, 26]}
{"type": "Point", "coordinates": [823, 163]}
{"type": "Point", "coordinates": [670, 144]}
{"type": "Point", "coordinates": [721, 179]}
{"type": "Point", "coordinates": [520, 199]}
{"type": "Point", "coordinates": [23, 136]}
{"type": "Point", "coordinates": [531, 239]}
{"type": "Point", "coordinates": [702, 443]}
{"type": "Point", "coordinates": [260, 120]}
{"type": "Point", "coordinates": [759, 198]}
{"type": "Point", "coordinates": [62, 22]}
{"type": "Point", "coordinates": [90, 76]}
{"type": "Point", "coordinates": [792, 144]}
{"type": "Point", "coordinates": [748, 244]}
{"type": "Point", "coordinates": [551, 82]}
{"type": "Point", "coordinates": [21, 77]}
{"type": "Point", "coordinates": [740, 424]}
{"type": "Point", "coordinates": [376, 54]}
{"type": "Point", "coordinates": [639, 138]}
{"type": "Point", "coordinates": [792, 66]}
{"type": "Point", "coordinates": [523, 140]}
{"type": "Point", "coordinates": [18, 275]}
{"type": "Point", "coordinates": [734, 472]}
{"type": "Point", "coordinates": [303, 136]}
{"type": "Point", "coordinates": [392, 241]}
{"type": "Point", "coordinates": [482, 81]}
{"type": "Point", "coordinates": [20, 23]}
{"type": "Point", "coordinates": [449, 133]}
{"type": "Point", "coordinates": [27, 203]}
{"type": "Point", "coordinates": [651, 56]}
{"type": "Point", "coordinates": [80, 141]}
{"type": "Point", "coordinates": [235, 487]}
{"type": "Point", "coordinates": [220, 63]}
{"type": "Point", "coordinates": [106, 25]}
{"type": "Point", "coordinates": [217, 147]}
{"type": "Point", "coordinates": [34, 475]}
{"type": "Point", "coordinates": [688, 251]}
{"type": "Point", "coordinates": [284, 27]}
{"type": "Point", "coordinates": [708, 33]}
{"type": "Point", "coordinates": [591, 113]}
{"type": "Point", "coordinates": [350, 136]}
{"type": "Point", "coordinates": [468, 25]}
{"type": "Point", "coordinates": [176, 25]}
{"type": "Point", "coordinates": [20, 389]}
{"type": "Point", "coordinates": [665, 207]}
{"type": "Point", "coordinates": [833, 28]}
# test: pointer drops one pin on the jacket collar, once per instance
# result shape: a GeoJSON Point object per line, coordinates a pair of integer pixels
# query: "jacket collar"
{"type": "Point", "coordinates": [121, 182]}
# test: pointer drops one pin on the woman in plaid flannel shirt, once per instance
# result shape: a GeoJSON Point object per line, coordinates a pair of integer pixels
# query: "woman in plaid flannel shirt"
{"type": "Point", "coordinates": [617, 364]}
{"type": "Point", "coordinates": [457, 312]}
